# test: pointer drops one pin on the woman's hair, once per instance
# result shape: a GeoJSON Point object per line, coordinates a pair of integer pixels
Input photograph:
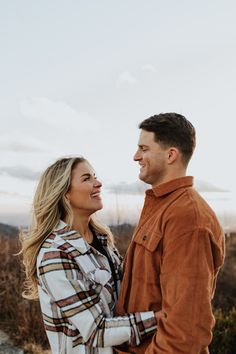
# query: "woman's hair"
{"type": "Point", "coordinates": [50, 205]}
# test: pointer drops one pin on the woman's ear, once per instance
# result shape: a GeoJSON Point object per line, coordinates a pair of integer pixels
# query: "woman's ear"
{"type": "Point", "coordinates": [67, 197]}
{"type": "Point", "coordinates": [173, 155]}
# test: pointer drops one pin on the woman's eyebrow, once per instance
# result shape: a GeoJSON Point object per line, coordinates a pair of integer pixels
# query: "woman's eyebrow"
{"type": "Point", "coordinates": [87, 175]}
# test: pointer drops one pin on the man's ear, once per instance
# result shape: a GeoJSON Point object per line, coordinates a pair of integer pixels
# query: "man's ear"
{"type": "Point", "coordinates": [173, 155]}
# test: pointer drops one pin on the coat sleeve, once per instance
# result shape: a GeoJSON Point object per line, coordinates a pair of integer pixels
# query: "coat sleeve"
{"type": "Point", "coordinates": [80, 303]}
{"type": "Point", "coordinates": [187, 281]}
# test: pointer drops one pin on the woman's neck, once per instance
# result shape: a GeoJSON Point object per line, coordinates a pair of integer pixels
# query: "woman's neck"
{"type": "Point", "coordinates": [81, 224]}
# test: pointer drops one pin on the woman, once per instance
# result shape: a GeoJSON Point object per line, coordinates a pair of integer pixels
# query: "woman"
{"type": "Point", "coordinates": [73, 267]}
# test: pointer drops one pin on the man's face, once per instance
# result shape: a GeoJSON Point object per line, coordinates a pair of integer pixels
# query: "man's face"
{"type": "Point", "coordinates": [152, 158]}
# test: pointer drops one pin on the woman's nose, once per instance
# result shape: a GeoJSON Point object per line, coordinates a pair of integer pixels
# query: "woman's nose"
{"type": "Point", "coordinates": [98, 183]}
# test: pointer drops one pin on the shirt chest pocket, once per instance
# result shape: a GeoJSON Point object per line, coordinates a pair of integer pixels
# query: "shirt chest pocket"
{"type": "Point", "coordinates": [148, 254]}
{"type": "Point", "coordinates": [97, 276]}
{"type": "Point", "coordinates": [94, 271]}
{"type": "Point", "coordinates": [150, 240]}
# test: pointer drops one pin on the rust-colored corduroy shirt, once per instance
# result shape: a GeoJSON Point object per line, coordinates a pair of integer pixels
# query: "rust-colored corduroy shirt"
{"type": "Point", "coordinates": [171, 265]}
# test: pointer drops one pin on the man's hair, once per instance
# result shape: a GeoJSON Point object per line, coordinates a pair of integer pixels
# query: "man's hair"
{"type": "Point", "coordinates": [172, 129]}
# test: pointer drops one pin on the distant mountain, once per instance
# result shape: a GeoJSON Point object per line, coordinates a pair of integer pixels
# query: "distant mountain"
{"type": "Point", "coordinates": [8, 230]}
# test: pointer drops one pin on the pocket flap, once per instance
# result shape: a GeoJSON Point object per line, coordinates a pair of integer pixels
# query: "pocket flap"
{"type": "Point", "coordinates": [148, 239]}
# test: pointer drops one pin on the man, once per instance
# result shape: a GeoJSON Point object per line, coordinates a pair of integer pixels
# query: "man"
{"type": "Point", "coordinates": [178, 246]}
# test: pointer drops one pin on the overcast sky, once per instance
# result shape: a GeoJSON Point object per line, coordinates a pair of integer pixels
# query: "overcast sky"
{"type": "Point", "coordinates": [76, 77]}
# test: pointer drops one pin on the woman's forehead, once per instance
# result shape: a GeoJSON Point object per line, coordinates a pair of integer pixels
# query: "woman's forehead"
{"type": "Point", "coordinates": [83, 168]}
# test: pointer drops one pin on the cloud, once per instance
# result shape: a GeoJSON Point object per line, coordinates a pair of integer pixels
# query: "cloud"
{"type": "Point", "coordinates": [203, 186]}
{"type": "Point", "coordinates": [19, 147]}
{"type": "Point", "coordinates": [18, 142]}
{"type": "Point", "coordinates": [11, 194]}
{"type": "Point", "coordinates": [135, 188]}
{"type": "Point", "coordinates": [55, 114]}
{"type": "Point", "coordinates": [149, 67]}
{"type": "Point", "coordinates": [19, 172]}
{"type": "Point", "coordinates": [138, 188]}
{"type": "Point", "coordinates": [126, 78]}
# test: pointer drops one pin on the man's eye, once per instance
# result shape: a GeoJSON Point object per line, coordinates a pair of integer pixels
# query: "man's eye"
{"type": "Point", "coordinates": [87, 178]}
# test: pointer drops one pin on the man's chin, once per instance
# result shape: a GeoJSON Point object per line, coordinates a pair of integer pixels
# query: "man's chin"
{"type": "Point", "coordinates": [142, 177]}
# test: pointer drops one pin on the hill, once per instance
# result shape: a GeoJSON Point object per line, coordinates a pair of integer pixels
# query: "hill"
{"type": "Point", "coordinates": [8, 230]}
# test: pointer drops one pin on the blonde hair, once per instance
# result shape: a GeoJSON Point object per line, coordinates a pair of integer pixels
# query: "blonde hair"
{"type": "Point", "coordinates": [50, 205]}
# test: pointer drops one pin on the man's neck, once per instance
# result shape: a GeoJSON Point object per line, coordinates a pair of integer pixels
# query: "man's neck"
{"type": "Point", "coordinates": [171, 176]}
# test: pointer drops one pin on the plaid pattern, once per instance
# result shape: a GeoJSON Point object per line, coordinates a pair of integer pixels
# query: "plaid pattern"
{"type": "Point", "coordinates": [77, 296]}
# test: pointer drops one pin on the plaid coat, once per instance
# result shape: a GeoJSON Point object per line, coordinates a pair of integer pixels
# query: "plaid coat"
{"type": "Point", "coordinates": [77, 296]}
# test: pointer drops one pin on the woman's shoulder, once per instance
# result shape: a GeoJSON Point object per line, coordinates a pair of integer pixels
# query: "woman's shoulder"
{"type": "Point", "coordinates": [66, 241]}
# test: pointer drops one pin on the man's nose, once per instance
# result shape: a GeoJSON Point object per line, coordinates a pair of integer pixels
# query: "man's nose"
{"type": "Point", "coordinates": [137, 156]}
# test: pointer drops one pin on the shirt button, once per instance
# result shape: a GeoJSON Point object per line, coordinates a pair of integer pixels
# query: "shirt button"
{"type": "Point", "coordinates": [144, 238]}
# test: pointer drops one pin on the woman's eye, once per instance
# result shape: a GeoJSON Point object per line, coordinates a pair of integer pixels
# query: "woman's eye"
{"type": "Point", "coordinates": [88, 178]}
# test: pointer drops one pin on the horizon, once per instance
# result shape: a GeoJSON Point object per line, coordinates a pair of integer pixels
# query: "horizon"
{"type": "Point", "coordinates": [120, 207]}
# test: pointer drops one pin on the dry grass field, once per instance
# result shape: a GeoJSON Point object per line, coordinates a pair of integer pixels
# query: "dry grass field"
{"type": "Point", "coordinates": [21, 318]}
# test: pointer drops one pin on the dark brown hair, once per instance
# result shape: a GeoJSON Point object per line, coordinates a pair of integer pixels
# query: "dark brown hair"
{"type": "Point", "coordinates": [172, 129]}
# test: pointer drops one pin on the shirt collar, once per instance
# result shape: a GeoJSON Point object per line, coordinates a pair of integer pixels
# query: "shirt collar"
{"type": "Point", "coordinates": [64, 230]}
{"type": "Point", "coordinates": [170, 186]}
{"type": "Point", "coordinates": [61, 226]}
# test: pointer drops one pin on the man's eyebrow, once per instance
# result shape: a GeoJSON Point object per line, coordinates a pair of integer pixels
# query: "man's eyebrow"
{"type": "Point", "coordinates": [142, 145]}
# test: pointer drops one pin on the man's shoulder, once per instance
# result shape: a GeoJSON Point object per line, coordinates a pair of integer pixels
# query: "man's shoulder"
{"type": "Point", "coordinates": [189, 201]}
{"type": "Point", "coordinates": [190, 211]}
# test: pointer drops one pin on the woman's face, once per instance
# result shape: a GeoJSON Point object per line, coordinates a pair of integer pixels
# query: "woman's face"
{"type": "Point", "coordinates": [85, 189]}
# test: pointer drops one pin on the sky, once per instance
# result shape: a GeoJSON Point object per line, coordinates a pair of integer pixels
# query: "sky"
{"type": "Point", "coordinates": [77, 77]}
